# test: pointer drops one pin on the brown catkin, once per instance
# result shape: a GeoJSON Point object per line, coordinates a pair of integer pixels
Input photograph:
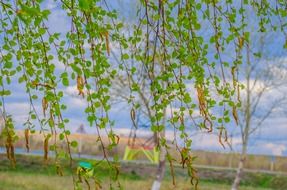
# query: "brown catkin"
{"type": "Point", "coordinates": [220, 137]}
{"type": "Point", "coordinates": [27, 133]}
{"type": "Point", "coordinates": [7, 150]}
{"type": "Point", "coordinates": [240, 42]}
{"type": "Point", "coordinates": [80, 85]}
{"type": "Point", "coordinates": [12, 155]}
{"type": "Point", "coordinates": [235, 115]}
{"type": "Point", "coordinates": [133, 114]}
{"type": "Point", "coordinates": [10, 150]}
{"type": "Point", "coordinates": [46, 148]}
{"type": "Point", "coordinates": [44, 106]}
{"type": "Point", "coordinates": [107, 43]}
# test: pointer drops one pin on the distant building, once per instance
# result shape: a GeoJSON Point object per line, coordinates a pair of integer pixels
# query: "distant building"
{"type": "Point", "coordinates": [80, 130]}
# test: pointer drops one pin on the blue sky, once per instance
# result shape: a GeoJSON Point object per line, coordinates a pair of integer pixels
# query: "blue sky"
{"type": "Point", "coordinates": [269, 139]}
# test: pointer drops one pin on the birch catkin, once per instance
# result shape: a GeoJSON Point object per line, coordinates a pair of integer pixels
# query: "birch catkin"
{"type": "Point", "coordinates": [27, 133]}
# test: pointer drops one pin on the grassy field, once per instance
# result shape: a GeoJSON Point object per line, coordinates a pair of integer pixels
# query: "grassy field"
{"type": "Point", "coordinates": [91, 147]}
{"type": "Point", "coordinates": [19, 181]}
{"type": "Point", "coordinates": [32, 174]}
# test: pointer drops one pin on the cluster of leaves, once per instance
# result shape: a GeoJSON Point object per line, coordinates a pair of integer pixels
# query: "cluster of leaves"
{"type": "Point", "coordinates": [165, 64]}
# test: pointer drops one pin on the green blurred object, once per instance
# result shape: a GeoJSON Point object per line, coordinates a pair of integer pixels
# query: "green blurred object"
{"type": "Point", "coordinates": [85, 165]}
{"type": "Point", "coordinates": [85, 169]}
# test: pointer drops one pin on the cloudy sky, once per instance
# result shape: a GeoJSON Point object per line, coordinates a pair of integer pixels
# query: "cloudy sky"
{"type": "Point", "coordinates": [270, 139]}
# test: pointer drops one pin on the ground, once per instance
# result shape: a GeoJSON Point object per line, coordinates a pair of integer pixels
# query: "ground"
{"type": "Point", "coordinates": [32, 174]}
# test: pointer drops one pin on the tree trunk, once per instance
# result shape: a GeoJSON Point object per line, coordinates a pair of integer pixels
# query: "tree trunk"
{"type": "Point", "coordinates": [239, 173]}
{"type": "Point", "coordinates": [160, 170]}
{"type": "Point", "coordinates": [246, 129]}
{"type": "Point", "coordinates": [162, 158]}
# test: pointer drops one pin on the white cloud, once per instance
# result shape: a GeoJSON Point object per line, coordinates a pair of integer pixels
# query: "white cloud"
{"type": "Point", "coordinates": [72, 90]}
{"type": "Point", "coordinates": [276, 149]}
{"type": "Point", "coordinates": [74, 102]}
{"type": "Point", "coordinates": [58, 20]}
{"type": "Point", "coordinates": [207, 141]}
{"type": "Point", "coordinates": [20, 111]}
{"type": "Point", "coordinates": [273, 128]}
{"type": "Point", "coordinates": [50, 4]}
{"type": "Point", "coordinates": [59, 65]}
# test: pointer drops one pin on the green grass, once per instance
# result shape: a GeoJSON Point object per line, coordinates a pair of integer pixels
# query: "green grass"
{"type": "Point", "coordinates": [18, 181]}
{"type": "Point", "coordinates": [32, 174]}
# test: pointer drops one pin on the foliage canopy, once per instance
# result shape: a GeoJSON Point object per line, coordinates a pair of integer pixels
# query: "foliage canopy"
{"type": "Point", "coordinates": [175, 52]}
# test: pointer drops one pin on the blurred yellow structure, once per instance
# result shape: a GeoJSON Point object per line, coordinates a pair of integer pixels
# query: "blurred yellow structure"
{"type": "Point", "coordinates": [151, 153]}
